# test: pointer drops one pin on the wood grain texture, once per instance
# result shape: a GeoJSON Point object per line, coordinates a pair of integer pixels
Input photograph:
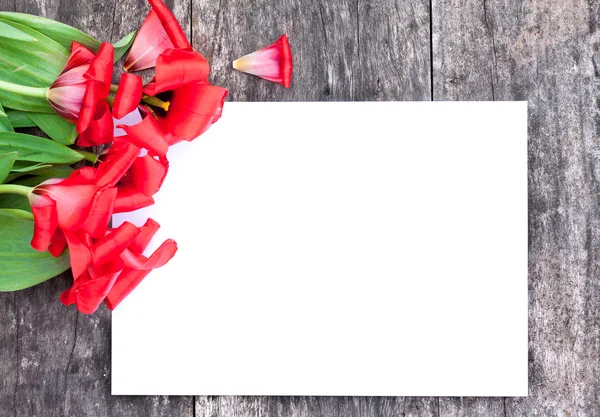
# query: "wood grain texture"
{"type": "Point", "coordinates": [547, 53]}
{"type": "Point", "coordinates": [55, 362]}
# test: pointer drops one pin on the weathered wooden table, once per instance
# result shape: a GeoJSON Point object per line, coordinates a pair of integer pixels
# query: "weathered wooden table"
{"type": "Point", "coordinates": [55, 362]}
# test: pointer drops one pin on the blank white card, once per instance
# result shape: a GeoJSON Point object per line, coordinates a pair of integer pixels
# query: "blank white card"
{"type": "Point", "coordinates": [337, 249]}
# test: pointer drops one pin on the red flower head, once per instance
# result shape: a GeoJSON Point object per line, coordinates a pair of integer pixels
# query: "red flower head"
{"type": "Point", "coordinates": [118, 266]}
{"type": "Point", "coordinates": [80, 91]}
{"type": "Point", "coordinates": [186, 104]}
{"type": "Point", "coordinates": [69, 212]}
{"type": "Point", "coordinates": [273, 63]}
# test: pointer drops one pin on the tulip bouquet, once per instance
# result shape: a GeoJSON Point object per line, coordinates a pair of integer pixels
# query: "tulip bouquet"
{"type": "Point", "coordinates": [76, 148]}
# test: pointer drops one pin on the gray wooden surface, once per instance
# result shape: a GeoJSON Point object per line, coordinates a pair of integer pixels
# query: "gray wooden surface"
{"type": "Point", "coordinates": [55, 362]}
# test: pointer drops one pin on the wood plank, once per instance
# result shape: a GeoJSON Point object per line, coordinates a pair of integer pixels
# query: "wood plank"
{"type": "Point", "coordinates": [544, 52]}
{"type": "Point", "coordinates": [342, 49]}
{"type": "Point", "coordinates": [54, 361]}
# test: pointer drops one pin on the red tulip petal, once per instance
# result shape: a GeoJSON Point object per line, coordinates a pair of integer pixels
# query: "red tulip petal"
{"type": "Point", "coordinates": [176, 68]}
{"type": "Point", "coordinates": [150, 41]}
{"type": "Point", "coordinates": [147, 232]}
{"type": "Point", "coordinates": [81, 176]}
{"type": "Point", "coordinates": [93, 289]}
{"type": "Point", "coordinates": [80, 55]}
{"type": "Point", "coordinates": [273, 63]}
{"type": "Point", "coordinates": [160, 257]}
{"type": "Point", "coordinates": [194, 108]}
{"type": "Point", "coordinates": [88, 105]}
{"type": "Point", "coordinates": [73, 202]}
{"type": "Point", "coordinates": [71, 77]}
{"type": "Point", "coordinates": [100, 129]}
{"type": "Point", "coordinates": [113, 244]}
{"type": "Point", "coordinates": [124, 285]}
{"type": "Point", "coordinates": [58, 244]}
{"type": "Point", "coordinates": [170, 24]}
{"type": "Point", "coordinates": [79, 251]}
{"type": "Point", "coordinates": [129, 95]}
{"type": "Point", "coordinates": [101, 69]}
{"type": "Point", "coordinates": [147, 134]}
{"type": "Point", "coordinates": [100, 212]}
{"type": "Point", "coordinates": [130, 199]}
{"type": "Point", "coordinates": [147, 174]}
{"type": "Point", "coordinates": [45, 221]}
{"type": "Point", "coordinates": [116, 163]}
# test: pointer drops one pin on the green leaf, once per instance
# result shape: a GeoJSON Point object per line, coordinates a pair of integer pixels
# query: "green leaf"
{"type": "Point", "coordinates": [36, 149]}
{"type": "Point", "coordinates": [122, 46]}
{"type": "Point", "coordinates": [5, 125]}
{"type": "Point", "coordinates": [37, 64]}
{"type": "Point", "coordinates": [6, 163]}
{"type": "Point", "coordinates": [55, 126]}
{"type": "Point", "coordinates": [22, 266]}
{"type": "Point", "coordinates": [19, 119]}
{"type": "Point", "coordinates": [24, 166]}
{"type": "Point", "coordinates": [61, 33]}
{"type": "Point", "coordinates": [9, 32]}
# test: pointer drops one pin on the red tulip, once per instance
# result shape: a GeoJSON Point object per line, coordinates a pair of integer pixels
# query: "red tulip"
{"type": "Point", "coordinates": [194, 104]}
{"type": "Point", "coordinates": [159, 32]}
{"type": "Point", "coordinates": [137, 266]}
{"type": "Point", "coordinates": [69, 212]}
{"type": "Point", "coordinates": [80, 91]}
{"type": "Point", "coordinates": [118, 266]}
{"type": "Point", "coordinates": [273, 63]}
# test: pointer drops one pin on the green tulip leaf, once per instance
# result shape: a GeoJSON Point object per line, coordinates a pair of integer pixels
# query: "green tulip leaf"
{"type": "Point", "coordinates": [23, 166]}
{"type": "Point", "coordinates": [55, 126]}
{"type": "Point", "coordinates": [7, 161]}
{"type": "Point", "coordinates": [122, 46]}
{"type": "Point", "coordinates": [59, 32]}
{"type": "Point", "coordinates": [22, 266]}
{"type": "Point", "coordinates": [36, 65]}
{"type": "Point", "coordinates": [5, 125]}
{"type": "Point", "coordinates": [14, 34]}
{"type": "Point", "coordinates": [19, 119]}
{"type": "Point", "coordinates": [36, 149]}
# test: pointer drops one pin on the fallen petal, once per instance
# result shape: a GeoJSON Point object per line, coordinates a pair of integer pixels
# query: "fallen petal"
{"type": "Point", "coordinates": [273, 63]}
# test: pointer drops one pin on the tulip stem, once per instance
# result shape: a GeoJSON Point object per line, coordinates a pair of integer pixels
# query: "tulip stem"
{"type": "Point", "coordinates": [23, 89]}
{"type": "Point", "coordinates": [15, 189]}
{"type": "Point", "coordinates": [114, 88]}
{"type": "Point", "coordinates": [88, 156]}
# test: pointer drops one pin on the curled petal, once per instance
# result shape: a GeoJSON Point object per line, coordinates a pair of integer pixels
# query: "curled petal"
{"type": "Point", "coordinates": [100, 129]}
{"type": "Point", "coordinates": [100, 212]}
{"type": "Point", "coordinates": [90, 289]}
{"type": "Point", "coordinates": [151, 41]}
{"type": "Point", "coordinates": [113, 244]}
{"type": "Point", "coordinates": [124, 285]}
{"type": "Point", "coordinates": [130, 199]}
{"type": "Point", "coordinates": [193, 110]}
{"type": "Point", "coordinates": [147, 232]}
{"type": "Point", "coordinates": [101, 68]}
{"type": "Point", "coordinates": [45, 221]}
{"type": "Point", "coordinates": [79, 251]}
{"type": "Point", "coordinates": [176, 68]}
{"type": "Point", "coordinates": [129, 95]}
{"type": "Point", "coordinates": [159, 258]}
{"type": "Point", "coordinates": [71, 77]}
{"type": "Point", "coordinates": [116, 163]}
{"type": "Point", "coordinates": [147, 174]}
{"type": "Point", "coordinates": [58, 244]}
{"type": "Point", "coordinates": [89, 105]}
{"type": "Point", "coordinates": [80, 55]}
{"type": "Point", "coordinates": [273, 63]}
{"type": "Point", "coordinates": [147, 134]}
{"type": "Point", "coordinates": [170, 25]}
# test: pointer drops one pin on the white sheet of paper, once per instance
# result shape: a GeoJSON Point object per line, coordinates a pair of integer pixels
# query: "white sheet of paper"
{"type": "Point", "coordinates": [337, 249]}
